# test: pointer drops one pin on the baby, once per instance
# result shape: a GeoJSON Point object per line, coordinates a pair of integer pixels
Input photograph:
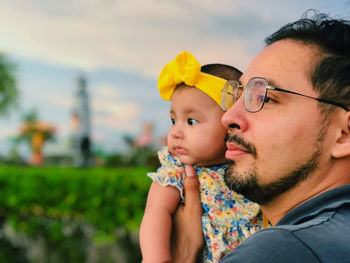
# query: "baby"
{"type": "Point", "coordinates": [196, 138]}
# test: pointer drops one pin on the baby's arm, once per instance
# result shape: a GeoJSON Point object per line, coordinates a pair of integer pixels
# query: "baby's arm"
{"type": "Point", "coordinates": [156, 224]}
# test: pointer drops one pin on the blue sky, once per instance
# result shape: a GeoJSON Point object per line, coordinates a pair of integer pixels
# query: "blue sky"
{"type": "Point", "coordinates": [121, 46]}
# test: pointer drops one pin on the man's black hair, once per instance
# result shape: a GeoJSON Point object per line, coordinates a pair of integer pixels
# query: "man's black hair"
{"type": "Point", "coordinates": [330, 75]}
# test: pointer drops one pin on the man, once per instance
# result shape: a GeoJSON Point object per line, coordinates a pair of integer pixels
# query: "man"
{"type": "Point", "coordinates": [288, 148]}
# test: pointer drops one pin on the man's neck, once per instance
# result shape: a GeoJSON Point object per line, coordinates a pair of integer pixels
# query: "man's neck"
{"type": "Point", "coordinates": [314, 185]}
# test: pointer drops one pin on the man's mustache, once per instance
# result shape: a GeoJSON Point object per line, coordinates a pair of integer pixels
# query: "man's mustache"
{"type": "Point", "coordinates": [247, 146]}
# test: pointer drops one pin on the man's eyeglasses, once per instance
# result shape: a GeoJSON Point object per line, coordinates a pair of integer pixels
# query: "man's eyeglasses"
{"type": "Point", "coordinates": [255, 94]}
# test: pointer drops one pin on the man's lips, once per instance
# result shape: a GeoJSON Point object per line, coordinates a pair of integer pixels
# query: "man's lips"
{"type": "Point", "coordinates": [233, 151]}
{"type": "Point", "coordinates": [236, 146]}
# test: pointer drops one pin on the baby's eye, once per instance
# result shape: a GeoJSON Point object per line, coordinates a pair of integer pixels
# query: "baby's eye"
{"type": "Point", "coordinates": [191, 121]}
{"type": "Point", "coordinates": [173, 121]}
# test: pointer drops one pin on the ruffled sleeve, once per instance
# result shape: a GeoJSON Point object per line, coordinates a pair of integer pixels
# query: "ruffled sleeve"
{"type": "Point", "coordinates": [170, 172]}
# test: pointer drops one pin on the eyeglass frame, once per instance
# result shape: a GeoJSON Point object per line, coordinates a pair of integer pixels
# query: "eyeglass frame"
{"type": "Point", "coordinates": [269, 87]}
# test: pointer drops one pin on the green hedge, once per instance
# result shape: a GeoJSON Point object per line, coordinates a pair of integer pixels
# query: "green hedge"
{"type": "Point", "coordinates": [46, 202]}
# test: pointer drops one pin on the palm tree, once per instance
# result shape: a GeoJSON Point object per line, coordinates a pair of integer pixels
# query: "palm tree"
{"type": "Point", "coordinates": [8, 86]}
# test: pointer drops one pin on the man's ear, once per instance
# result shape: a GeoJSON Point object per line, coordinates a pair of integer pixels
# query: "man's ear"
{"type": "Point", "coordinates": [342, 146]}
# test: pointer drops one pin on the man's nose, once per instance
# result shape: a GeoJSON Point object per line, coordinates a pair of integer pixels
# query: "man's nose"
{"type": "Point", "coordinates": [235, 117]}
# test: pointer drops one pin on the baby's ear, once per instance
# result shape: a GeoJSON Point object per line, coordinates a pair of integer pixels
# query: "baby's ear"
{"type": "Point", "coordinates": [342, 146]}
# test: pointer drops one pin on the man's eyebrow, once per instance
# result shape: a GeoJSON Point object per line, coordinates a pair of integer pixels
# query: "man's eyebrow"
{"type": "Point", "coordinates": [270, 81]}
{"type": "Point", "coordinates": [273, 83]}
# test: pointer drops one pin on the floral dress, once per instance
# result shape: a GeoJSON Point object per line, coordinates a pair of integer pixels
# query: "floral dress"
{"type": "Point", "coordinates": [228, 218]}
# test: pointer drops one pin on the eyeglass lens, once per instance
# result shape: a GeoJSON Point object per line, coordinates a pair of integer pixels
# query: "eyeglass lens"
{"type": "Point", "coordinates": [229, 94]}
{"type": "Point", "coordinates": [255, 93]}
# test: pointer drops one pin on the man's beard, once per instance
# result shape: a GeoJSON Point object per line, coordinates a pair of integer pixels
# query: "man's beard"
{"type": "Point", "coordinates": [246, 183]}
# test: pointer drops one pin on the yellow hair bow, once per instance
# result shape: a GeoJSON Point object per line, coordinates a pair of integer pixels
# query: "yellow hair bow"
{"type": "Point", "coordinates": [185, 68]}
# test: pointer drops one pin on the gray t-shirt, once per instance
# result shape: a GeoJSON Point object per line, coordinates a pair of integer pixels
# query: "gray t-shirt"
{"type": "Point", "coordinates": [315, 231]}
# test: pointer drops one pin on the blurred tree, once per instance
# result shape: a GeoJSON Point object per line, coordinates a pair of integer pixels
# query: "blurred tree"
{"type": "Point", "coordinates": [140, 150]}
{"type": "Point", "coordinates": [36, 133]}
{"type": "Point", "coordinates": [8, 86]}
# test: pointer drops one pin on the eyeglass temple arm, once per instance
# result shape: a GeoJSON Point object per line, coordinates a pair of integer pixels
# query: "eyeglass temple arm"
{"type": "Point", "coordinates": [318, 99]}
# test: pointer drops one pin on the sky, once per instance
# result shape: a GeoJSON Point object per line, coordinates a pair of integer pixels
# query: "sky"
{"type": "Point", "coordinates": [120, 46]}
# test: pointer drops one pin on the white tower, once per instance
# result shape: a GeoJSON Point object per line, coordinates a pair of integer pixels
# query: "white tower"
{"type": "Point", "coordinates": [81, 119]}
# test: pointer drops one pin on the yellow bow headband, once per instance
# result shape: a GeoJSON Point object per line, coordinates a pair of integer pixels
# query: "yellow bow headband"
{"type": "Point", "coordinates": [185, 68]}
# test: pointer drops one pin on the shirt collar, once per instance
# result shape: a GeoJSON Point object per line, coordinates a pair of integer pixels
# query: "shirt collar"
{"type": "Point", "coordinates": [326, 201]}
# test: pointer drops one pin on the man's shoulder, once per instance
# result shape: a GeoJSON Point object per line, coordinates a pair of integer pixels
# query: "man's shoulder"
{"type": "Point", "coordinates": [273, 244]}
{"type": "Point", "coordinates": [322, 239]}
{"type": "Point", "coordinates": [316, 231]}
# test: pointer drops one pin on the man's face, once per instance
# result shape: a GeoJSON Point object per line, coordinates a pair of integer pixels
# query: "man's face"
{"type": "Point", "coordinates": [197, 135]}
{"type": "Point", "coordinates": [274, 149]}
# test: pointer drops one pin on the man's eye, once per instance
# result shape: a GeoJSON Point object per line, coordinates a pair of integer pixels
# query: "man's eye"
{"type": "Point", "coordinates": [267, 100]}
{"type": "Point", "coordinates": [173, 121]}
{"type": "Point", "coordinates": [191, 121]}
{"type": "Point", "coordinates": [261, 98]}
{"type": "Point", "coordinates": [264, 99]}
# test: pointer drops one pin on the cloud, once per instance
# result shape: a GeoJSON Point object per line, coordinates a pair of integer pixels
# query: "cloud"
{"type": "Point", "coordinates": [113, 34]}
{"type": "Point", "coordinates": [88, 35]}
{"type": "Point", "coordinates": [57, 99]}
{"type": "Point", "coordinates": [8, 132]}
{"type": "Point", "coordinates": [137, 35]}
{"type": "Point", "coordinates": [110, 110]}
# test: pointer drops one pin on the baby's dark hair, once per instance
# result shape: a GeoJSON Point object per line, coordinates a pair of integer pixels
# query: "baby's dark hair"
{"type": "Point", "coordinates": [223, 71]}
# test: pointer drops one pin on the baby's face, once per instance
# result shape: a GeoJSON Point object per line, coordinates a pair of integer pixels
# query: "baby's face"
{"type": "Point", "coordinates": [196, 135]}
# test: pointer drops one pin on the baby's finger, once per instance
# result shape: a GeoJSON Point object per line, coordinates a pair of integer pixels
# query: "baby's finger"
{"type": "Point", "coordinates": [191, 190]}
